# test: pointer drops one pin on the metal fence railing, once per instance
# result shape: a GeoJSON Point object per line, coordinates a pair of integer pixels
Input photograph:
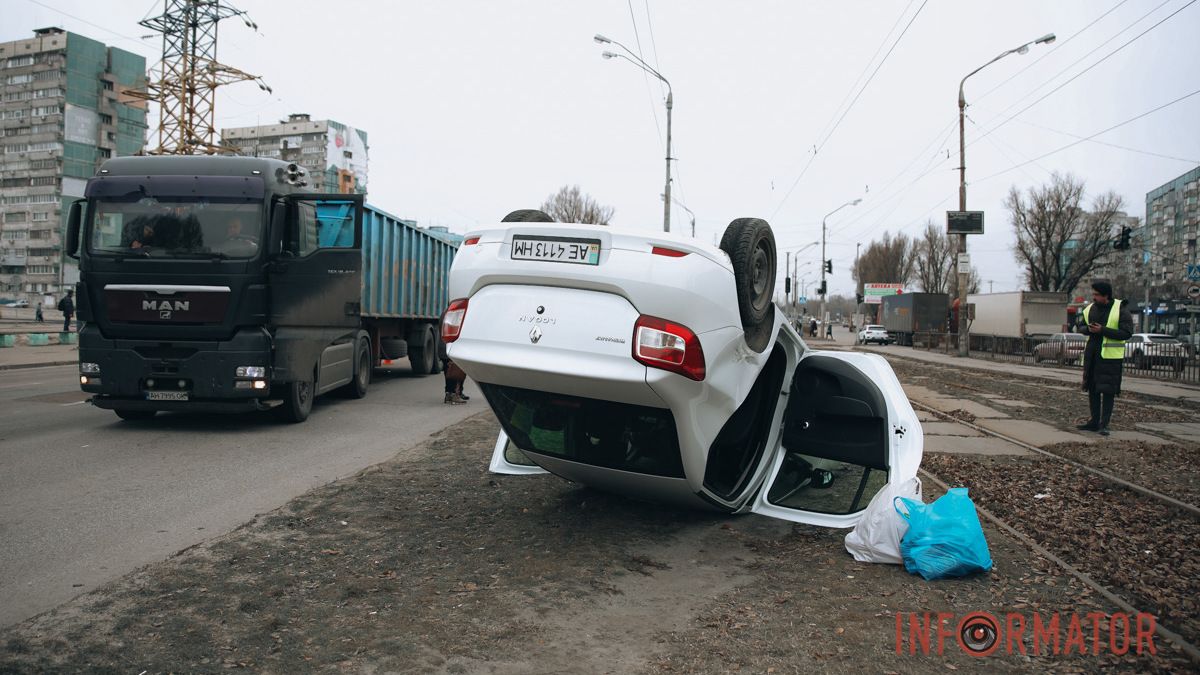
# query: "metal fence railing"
{"type": "Point", "coordinates": [1166, 361]}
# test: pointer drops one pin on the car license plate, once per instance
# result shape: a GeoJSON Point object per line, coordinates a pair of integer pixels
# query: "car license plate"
{"type": "Point", "coordinates": [166, 396]}
{"type": "Point", "coordinates": [557, 249]}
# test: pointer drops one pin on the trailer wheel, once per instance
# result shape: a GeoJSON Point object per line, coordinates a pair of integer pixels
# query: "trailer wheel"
{"type": "Point", "coordinates": [751, 248]}
{"type": "Point", "coordinates": [297, 401]}
{"type": "Point", "coordinates": [527, 216]}
{"type": "Point", "coordinates": [422, 358]}
{"type": "Point", "coordinates": [135, 415]}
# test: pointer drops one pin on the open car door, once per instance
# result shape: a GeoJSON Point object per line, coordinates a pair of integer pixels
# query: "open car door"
{"type": "Point", "coordinates": [848, 430]}
{"type": "Point", "coordinates": [508, 459]}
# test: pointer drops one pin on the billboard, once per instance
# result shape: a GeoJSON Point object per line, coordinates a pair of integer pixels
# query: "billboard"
{"type": "Point", "coordinates": [873, 293]}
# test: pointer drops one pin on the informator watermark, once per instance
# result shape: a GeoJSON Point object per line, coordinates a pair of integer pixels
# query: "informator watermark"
{"type": "Point", "coordinates": [1058, 633]}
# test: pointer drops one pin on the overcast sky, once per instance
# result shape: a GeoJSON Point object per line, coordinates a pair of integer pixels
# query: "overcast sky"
{"type": "Point", "coordinates": [477, 108]}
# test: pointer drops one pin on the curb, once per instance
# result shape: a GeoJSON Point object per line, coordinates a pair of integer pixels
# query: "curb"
{"type": "Point", "coordinates": [21, 366]}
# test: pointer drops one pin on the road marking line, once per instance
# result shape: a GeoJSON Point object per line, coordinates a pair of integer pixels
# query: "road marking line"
{"type": "Point", "coordinates": [63, 405]}
{"type": "Point", "coordinates": [17, 386]}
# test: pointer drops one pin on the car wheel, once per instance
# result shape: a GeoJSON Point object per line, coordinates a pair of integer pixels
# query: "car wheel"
{"type": "Point", "coordinates": [297, 401]}
{"type": "Point", "coordinates": [750, 245]}
{"type": "Point", "coordinates": [135, 415]}
{"type": "Point", "coordinates": [527, 216]}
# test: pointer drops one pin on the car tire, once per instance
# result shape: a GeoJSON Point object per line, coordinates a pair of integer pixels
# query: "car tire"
{"type": "Point", "coordinates": [750, 245]}
{"type": "Point", "coordinates": [297, 401]}
{"type": "Point", "coordinates": [135, 415]}
{"type": "Point", "coordinates": [360, 378]}
{"type": "Point", "coordinates": [527, 216]}
{"type": "Point", "coordinates": [422, 358]}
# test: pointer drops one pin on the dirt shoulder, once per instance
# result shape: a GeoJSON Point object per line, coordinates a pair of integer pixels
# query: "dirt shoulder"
{"type": "Point", "coordinates": [427, 563]}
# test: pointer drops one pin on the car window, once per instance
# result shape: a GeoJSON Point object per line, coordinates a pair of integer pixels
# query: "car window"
{"type": "Point", "coordinates": [1162, 339]}
{"type": "Point", "coordinates": [601, 433]}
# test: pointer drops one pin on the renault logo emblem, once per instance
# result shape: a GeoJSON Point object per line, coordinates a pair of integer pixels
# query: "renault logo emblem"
{"type": "Point", "coordinates": [535, 335]}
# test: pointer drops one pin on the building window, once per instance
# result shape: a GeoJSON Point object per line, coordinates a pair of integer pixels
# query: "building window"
{"type": "Point", "coordinates": [48, 110]}
{"type": "Point", "coordinates": [40, 269]}
{"type": "Point", "coordinates": [44, 180]}
{"type": "Point", "coordinates": [14, 114]}
{"type": "Point", "coordinates": [20, 61]}
{"type": "Point", "coordinates": [18, 96]}
{"type": "Point", "coordinates": [14, 235]}
{"type": "Point", "coordinates": [43, 199]}
{"type": "Point", "coordinates": [40, 216]}
{"type": "Point", "coordinates": [44, 128]}
{"type": "Point", "coordinates": [14, 182]}
{"type": "Point", "coordinates": [47, 75]}
{"type": "Point", "coordinates": [19, 79]}
{"type": "Point", "coordinates": [105, 118]}
{"type": "Point", "coordinates": [47, 93]}
{"type": "Point", "coordinates": [12, 148]}
{"type": "Point", "coordinates": [45, 145]}
{"type": "Point", "coordinates": [16, 131]}
{"type": "Point", "coordinates": [44, 164]}
{"type": "Point", "coordinates": [14, 217]}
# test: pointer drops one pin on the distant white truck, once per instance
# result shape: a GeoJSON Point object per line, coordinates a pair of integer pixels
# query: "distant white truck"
{"type": "Point", "coordinates": [1019, 314]}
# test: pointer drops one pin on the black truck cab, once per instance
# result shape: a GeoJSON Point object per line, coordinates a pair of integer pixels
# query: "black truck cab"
{"type": "Point", "coordinates": [216, 283]}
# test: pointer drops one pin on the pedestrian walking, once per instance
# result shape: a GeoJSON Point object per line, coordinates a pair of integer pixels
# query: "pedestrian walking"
{"type": "Point", "coordinates": [1108, 324]}
{"type": "Point", "coordinates": [67, 307]}
{"type": "Point", "coordinates": [829, 329]}
{"type": "Point", "coordinates": [37, 313]}
{"type": "Point", "coordinates": [812, 328]}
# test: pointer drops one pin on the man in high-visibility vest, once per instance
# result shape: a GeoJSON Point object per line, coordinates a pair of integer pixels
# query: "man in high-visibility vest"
{"type": "Point", "coordinates": [1108, 324]}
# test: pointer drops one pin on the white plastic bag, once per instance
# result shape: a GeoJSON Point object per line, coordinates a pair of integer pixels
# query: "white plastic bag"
{"type": "Point", "coordinates": [877, 536]}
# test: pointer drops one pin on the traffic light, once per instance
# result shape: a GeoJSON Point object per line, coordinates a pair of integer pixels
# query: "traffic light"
{"type": "Point", "coordinates": [821, 291]}
{"type": "Point", "coordinates": [1122, 243]}
{"type": "Point", "coordinates": [829, 267]}
{"type": "Point", "coordinates": [858, 298]}
{"type": "Point", "coordinates": [787, 285]}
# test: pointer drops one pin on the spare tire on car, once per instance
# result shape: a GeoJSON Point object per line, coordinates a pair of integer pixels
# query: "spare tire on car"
{"type": "Point", "coordinates": [527, 216]}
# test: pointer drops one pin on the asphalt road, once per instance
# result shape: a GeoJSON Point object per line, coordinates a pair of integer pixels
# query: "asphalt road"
{"type": "Point", "coordinates": [85, 497]}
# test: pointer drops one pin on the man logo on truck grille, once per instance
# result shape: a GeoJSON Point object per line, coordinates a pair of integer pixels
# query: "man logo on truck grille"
{"type": "Point", "coordinates": [177, 305]}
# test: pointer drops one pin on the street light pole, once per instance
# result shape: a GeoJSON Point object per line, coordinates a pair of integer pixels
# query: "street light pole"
{"type": "Point", "coordinates": [637, 61]}
{"type": "Point", "coordinates": [964, 278]}
{"type": "Point", "coordinates": [856, 202]}
{"type": "Point", "coordinates": [690, 213]}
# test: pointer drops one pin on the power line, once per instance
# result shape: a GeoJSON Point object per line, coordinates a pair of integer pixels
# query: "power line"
{"type": "Point", "coordinates": [1111, 145]}
{"type": "Point", "coordinates": [93, 25]}
{"type": "Point", "coordinates": [1087, 138]}
{"type": "Point", "coordinates": [846, 112]}
{"type": "Point", "coordinates": [645, 76]}
{"type": "Point", "coordinates": [1085, 70]}
{"type": "Point", "coordinates": [1060, 45]}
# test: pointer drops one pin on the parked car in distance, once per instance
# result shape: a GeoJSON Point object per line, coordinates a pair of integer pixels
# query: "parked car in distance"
{"type": "Point", "coordinates": [1146, 350]}
{"type": "Point", "coordinates": [18, 303]}
{"type": "Point", "coordinates": [1062, 347]}
{"type": "Point", "coordinates": [871, 334]}
{"type": "Point", "coordinates": [658, 367]}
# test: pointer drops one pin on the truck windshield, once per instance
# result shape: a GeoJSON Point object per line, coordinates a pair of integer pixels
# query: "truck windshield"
{"type": "Point", "coordinates": [177, 228]}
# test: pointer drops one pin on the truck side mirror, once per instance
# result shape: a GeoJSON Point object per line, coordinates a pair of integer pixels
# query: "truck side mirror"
{"type": "Point", "coordinates": [279, 229]}
{"type": "Point", "coordinates": [74, 220]}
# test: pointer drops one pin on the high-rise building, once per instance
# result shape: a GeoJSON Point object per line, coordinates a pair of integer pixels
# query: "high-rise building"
{"type": "Point", "coordinates": [334, 154]}
{"type": "Point", "coordinates": [1172, 225]}
{"type": "Point", "coordinates": [62, 113]}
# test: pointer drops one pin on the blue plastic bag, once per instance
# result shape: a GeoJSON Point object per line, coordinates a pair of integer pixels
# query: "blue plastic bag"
{"type": "Point", "coordinates": [944, 539]}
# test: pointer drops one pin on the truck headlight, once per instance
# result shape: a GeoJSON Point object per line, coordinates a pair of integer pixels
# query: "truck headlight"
{"type": "Point", "coordinates": [89, 368]}
{"type": "Point", "coordinates": [251, 371]}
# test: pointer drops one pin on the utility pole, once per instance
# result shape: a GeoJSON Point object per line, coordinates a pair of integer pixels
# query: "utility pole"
{"type": "Point", "coordinates": [823, 287]}
{"type": "Point", "coordinates": [787, 270]}
{"type": "Point", "coordinates": [667, 190]}
{"type": "Point", "coordinates": [190, 75]}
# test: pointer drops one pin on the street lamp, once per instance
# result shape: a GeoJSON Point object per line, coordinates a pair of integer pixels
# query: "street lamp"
{"type": "Point", "coordinates": [856, 202]}
{"type": "Point", "coordinates": [964, 278]}
{"type": "Point", "coordinates": [637, 61]}
{"type": "Point", "coordinates": [787, 265]}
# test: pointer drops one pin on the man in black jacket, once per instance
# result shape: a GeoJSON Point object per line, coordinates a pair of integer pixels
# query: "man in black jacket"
{"type": "Point", "coordinates": [67, 307]}
{"type": "Point", "coordinates": [1108, 324]}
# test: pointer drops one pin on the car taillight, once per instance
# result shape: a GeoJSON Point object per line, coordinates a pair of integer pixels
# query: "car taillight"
{"type": "Point", "coordinates": [668, 252]}
{"type": "Point", "coordinates": [669, 346]}
{"type": "Point", "coordinates": [470, 241]}
{"type": "Point", "coordinates": [452, 320]}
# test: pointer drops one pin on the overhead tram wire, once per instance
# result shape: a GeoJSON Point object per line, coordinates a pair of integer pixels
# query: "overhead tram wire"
{"type": "Point", "coordinates": [637, 39]}
{"type": "Point", "coordinates": [1085, 70]}
{"type": "Point", "coordinates": [1053, 49]}
{"type": "Point", "coordinates": [1139, 151]}
{"type": "Point", "coordinates": [93, 25]}
{"type": "Point", "coordinates": [1087, 138]}
{"type": "Point", "coordinates": [829, 135]}
{"type": "Point", "coordinates": [949, 127]}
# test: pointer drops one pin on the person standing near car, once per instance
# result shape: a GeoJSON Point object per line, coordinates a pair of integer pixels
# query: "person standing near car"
{"type": "Point", "coordinates": [1108, 324]}
{"type": "Point", "coordinates": [67, 307]}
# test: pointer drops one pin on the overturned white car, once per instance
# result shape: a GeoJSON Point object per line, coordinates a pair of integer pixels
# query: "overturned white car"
{"type": "Point", "coordinates": [658, 367]}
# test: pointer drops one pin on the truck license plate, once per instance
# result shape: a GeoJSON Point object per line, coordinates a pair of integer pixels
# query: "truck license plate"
{"type": "Point", "coordinates": [557, 249]}
{"type": "Point", "coordinates": [166, 396]}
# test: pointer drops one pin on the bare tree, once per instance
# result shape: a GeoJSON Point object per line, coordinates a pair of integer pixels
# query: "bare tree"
{"type": "Point", "coordinates": [934, 260]}
{"type": "Point", "coordinates": [1058, 243]}
{"type": "Point", "coordinates": [570, 205]}
{"type": "Point", "coordinates": [887, 260]}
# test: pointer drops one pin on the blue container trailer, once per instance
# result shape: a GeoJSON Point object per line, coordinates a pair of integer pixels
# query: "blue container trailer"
{"type": "Point", "coordinates": [223, 284]}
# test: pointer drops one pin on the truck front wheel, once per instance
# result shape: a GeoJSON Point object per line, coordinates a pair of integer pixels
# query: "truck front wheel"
{"type": "Point", "coordinates": [423, 356]}
{"type": "Point", "coordinates": [362, 372]}
{"type": "Point", "coordinates": [135, 415]}
{"type": "Point", "coordinates": [297, 401]}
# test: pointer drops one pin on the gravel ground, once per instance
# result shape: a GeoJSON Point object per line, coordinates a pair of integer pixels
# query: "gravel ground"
{"type": "Point", "coordinates": [429, 564]}
{"type": "Point", "coordinates": [1141, 548]}
{"type": "Point", "coordinates": [1169, 469]}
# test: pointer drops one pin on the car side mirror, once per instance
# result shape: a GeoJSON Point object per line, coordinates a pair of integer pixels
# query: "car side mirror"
{"type": "Point", "coordinates": [74, 221]}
